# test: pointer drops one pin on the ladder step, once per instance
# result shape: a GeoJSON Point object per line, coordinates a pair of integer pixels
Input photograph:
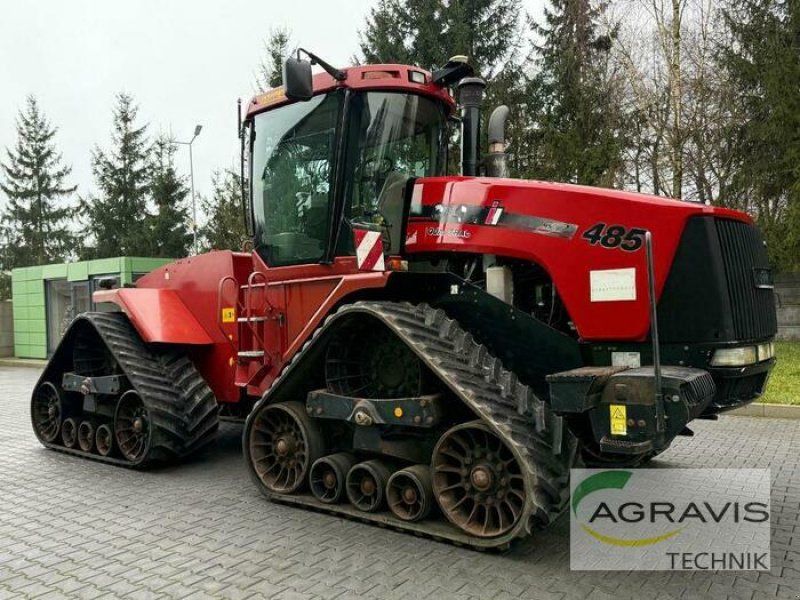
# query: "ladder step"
{"type": "Point", "coordinates": [250, 354]}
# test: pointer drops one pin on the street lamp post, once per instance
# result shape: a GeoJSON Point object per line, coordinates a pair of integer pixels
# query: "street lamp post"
{"type": "Point", "coordinates": [197, 130]}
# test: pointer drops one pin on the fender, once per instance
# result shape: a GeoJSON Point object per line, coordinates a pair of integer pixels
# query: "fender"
{"type": "Point", "coordinates": [159, 315]}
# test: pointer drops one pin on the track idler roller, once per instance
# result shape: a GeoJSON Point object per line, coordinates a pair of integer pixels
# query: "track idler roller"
{"type": "Point", "coordinates": [329, 476]}
{"type": "Point", "coordinates": [366, 485]}
{"type": "Point", "coordinates": [410, 494]}
{"type": "Point", "coordinates": [132, 427]}
{"type": "Point", "coordinates": [104, 440]}
{"type": "Point", "coordinates": [46, 410]}
{"type": "Point", "coordinates": [69, 432]}
{"type": "Point", "coordinates": [285, 442]}
{"type": "Point", "coordinates": [477, 481]}
{"type": "Point", "coordinates": [86, 436]}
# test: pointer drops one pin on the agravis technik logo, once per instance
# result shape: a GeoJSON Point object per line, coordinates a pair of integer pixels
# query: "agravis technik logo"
{"type": "Point", "coordinates": [664, 519]}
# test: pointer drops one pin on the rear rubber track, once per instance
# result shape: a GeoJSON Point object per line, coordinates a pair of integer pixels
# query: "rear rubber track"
{"type": "Point", "coordinates": [539, 440]}
{"type": "Point", "coordinates": [182, 408]}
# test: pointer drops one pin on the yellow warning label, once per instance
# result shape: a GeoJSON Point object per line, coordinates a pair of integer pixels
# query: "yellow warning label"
{"type": "Point", "coordinates": [619, 419]}
{"type": "Point", "coordinates": [228, 315]}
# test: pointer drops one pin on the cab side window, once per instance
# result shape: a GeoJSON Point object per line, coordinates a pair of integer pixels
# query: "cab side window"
{"type": "Point", "coordinates": [293, 190]}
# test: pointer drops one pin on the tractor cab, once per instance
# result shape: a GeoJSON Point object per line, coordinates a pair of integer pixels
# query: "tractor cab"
{"type": "Point", "coordinates": [338, 155]}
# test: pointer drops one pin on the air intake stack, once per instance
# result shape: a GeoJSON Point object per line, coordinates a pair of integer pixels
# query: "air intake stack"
{"type": "Point", "coordinates": [470, 96]}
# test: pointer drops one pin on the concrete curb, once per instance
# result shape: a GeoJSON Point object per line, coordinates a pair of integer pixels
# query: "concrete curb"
{"type": "Point", "coordinates": [30, 363]}
{"type": "Point", "coordinates": [771, 411]}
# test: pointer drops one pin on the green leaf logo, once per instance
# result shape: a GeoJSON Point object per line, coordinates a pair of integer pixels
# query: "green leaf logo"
{"type": "Point", "coordinates": [615, 480]}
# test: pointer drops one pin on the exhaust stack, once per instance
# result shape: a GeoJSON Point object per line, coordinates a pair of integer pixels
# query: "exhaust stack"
{"type": "Point", "coordinates": [470, 96]}
{"type": "Point", "coordinates": [497, 159]}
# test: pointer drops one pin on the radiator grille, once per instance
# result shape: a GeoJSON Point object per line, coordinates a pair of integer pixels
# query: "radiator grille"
{"type": "Point", "coordinates": [743, 251]}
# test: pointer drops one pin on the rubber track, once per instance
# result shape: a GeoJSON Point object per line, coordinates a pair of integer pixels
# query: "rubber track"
{"type": "Point", "coordinates": [539, 439]}
{"type": "Point", "coordinates": [183, 410]}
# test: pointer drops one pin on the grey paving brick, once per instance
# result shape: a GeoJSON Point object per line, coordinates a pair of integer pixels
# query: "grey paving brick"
{"type": "Point", "coordinates": [76, 529]}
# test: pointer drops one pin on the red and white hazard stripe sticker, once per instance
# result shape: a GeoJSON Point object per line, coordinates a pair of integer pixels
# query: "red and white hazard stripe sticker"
{"type": "Point", "coordinates": [495, 212]}
{"type": "Point", "coordinates": [369, 250]}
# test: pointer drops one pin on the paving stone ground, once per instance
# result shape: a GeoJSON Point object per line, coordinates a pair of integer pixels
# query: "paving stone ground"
{"type": "Point", "coordinates": [74, 528]}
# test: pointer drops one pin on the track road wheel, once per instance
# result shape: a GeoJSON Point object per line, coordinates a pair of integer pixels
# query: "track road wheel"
{"type": "Point", "coordinates": [284, 443]}
{"type": "Point", "coordinates": [46, 409]}
{"type": "Point", "coordinates": [104, 440]}
{"type": "Point", "coordinates": [410, 494]}
{"type": "Point", "coordinates": [328, 477]}
{"type": "Point", "coordinates": [477, 481]}
{"type": "Point", "coordinates": [69, 432]}
{"type": "Point", "coordinates": [86, 436]}
{"type": "Point", "coordinates": [132, 427]}
{"type": "Point", "coordinates": [366, 485]}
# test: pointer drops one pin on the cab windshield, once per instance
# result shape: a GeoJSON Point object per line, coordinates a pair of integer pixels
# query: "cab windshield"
{"type": "Point", "coordinates": [389, 138]}
{"type": "Point", "coordinates": [393, 137]}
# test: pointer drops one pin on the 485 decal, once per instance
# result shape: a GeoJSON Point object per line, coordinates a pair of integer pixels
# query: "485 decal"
{"type": "Point", "coordinates": [615, 236]}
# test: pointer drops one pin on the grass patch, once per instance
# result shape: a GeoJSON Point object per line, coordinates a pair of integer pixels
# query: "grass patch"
{"type": "Point", "coordinates": [783, 386]}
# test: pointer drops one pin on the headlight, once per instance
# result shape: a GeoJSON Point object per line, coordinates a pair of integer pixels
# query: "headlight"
{"type": "Point", "coordinates": [766, 351]}
{"type": "Point", "coordinates": [735, 357]}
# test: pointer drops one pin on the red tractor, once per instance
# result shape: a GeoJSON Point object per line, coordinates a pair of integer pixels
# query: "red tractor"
{"type": "Point", "coordinates": [426, 351]}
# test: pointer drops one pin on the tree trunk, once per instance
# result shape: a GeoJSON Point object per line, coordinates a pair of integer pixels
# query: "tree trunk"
{"type": "Point", "coordinates": [677, 102]}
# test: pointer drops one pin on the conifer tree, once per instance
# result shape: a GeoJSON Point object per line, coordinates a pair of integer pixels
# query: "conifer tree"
{"type": "Point", "coordinates": [225, 229]}
{"type": "Point", "coordinates": [168, 232]}
{"type": "Point", "coordinates": [276, 48]}
{"type": "Point", "coordinates": [576, 135]}
{"type": "Point", "coordinates": [762, 59]}
{"type": "Point", "coordinates": [36, 217]}
{"type": "Point", "coordinates": [118, 216]}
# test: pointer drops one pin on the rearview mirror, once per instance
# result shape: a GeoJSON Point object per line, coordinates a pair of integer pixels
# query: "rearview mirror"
{"type": "Point", "coordinates": [297, 83]}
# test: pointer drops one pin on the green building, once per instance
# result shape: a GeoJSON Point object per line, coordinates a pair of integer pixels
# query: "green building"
{"type": "Point", "coordinates": [46, 298]}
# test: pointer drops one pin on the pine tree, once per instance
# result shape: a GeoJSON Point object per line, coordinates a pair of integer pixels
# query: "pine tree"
{"type": "Point", "coordinates": [762, 59]}
{"type": "Point", "coordinates": [6, 262]}
{"type": "Point", "coordinates": [576, 137]}
{"type": "Point", "coordinates": [276, 48]}
{"type": "Point", "coordinates": [36, 218]}
{"type": "Point", "coordinates": [167, 227]}
{"type": "Point", "coordinates": [427, 33]}
{"type": "Point", "coordinates": [225, 229]}
{"type": "Point", "coordinates": [118, 217]}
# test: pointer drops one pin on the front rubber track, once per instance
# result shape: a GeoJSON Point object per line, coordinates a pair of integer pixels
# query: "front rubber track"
{"type": "Point", "coordinates": [539, 439]}
{"type": "Point", "coordinates": [182, 408]}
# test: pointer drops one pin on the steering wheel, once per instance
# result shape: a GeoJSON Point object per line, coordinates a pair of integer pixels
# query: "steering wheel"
{"type": "Point", "coordinates": [375, 168]}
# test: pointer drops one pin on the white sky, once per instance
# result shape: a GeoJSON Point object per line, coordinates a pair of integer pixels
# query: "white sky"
{"type": "Point", "coordinates": [185, 62]}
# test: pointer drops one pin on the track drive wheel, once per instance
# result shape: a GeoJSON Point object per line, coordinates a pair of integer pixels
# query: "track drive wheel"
{"type": "Point", "coordinates": [132, 427]}
{"type": "Point", "coordinates": [382, 368]}
{"type": "Point", "coordinates": [284, 442]}
{"type": "Point", "coordinates": [46, 410]}
{"type": "Point", "coordinates": [477, 481]}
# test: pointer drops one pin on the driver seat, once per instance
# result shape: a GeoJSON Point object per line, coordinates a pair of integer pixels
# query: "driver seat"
{"type": "Point", "coordinates": [391, 202]}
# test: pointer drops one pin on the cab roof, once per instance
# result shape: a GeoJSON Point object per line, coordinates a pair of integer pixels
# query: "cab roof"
{"type": "Point", "coordinates": [368, 77]}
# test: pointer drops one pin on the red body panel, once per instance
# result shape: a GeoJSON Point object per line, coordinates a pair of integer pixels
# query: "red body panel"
{"type": "Point", "coordinates": [568, 259]}
{"type": "Point", "coordinates": [158, 315]}
{"type": "Point", "coordinates": [205, 302]}
{"type": "Point", "coordinates": [390, 78]}
{"type": "Point", "coordinates": [183, 302]}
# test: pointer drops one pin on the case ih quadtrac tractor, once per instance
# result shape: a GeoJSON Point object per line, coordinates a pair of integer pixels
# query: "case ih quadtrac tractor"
{"type": "Point", "coordinates": [424, 351]}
